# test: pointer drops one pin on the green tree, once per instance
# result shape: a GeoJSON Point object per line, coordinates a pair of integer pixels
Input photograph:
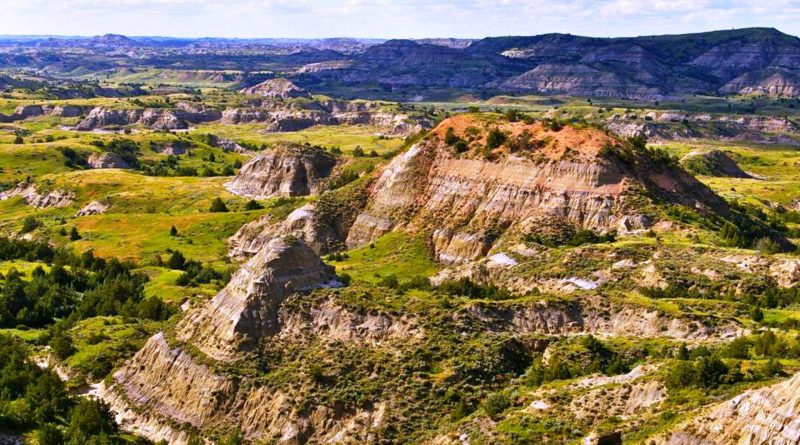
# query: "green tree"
{"type": "Point", "coordinates": [218, 206]}
{"type": "Point", "coordinates": [49, 434]}
{"type": "Point", "coordinates": [173, 231]}
{"type": "Point", "coordinates": [29, 224]}
{"type": "Point", "coordinates": [176, 261]}
{"type": "Point", "coordinates": [89, 418]}
{"type": "Point", "coordinates": [73, 234]}
{"type": "Point", "coordinates": [756, 314]}
{"type": "Point", "coordinates": [495, 404]}
{"type": "Point", "coordinates": [253, 205]}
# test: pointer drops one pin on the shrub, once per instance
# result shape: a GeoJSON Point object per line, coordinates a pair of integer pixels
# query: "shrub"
{"type": "Point", "coordinates": [29, 225]}
{"type": "Point", "coordinates": [218, 206]}
{"type": "Point", "coordinates": [253, 205]}
{"type": "Point", "coordinates": [756, 314]}
{"type": "Point", "coordinates": [495, 138]}
{"type": "Point", "coordinates": [495, 404]}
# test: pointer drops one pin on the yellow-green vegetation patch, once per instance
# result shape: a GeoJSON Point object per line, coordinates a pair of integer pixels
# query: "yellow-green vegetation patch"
{"type": "Point", "coordinates": [201, 236]}
{"type": "Point", "coordinates": [398, 253]}
{"type": "Point", "coordinates": [102, 343]}
{"type": "Point", "coordinates": [23, 267]}
{"type": "Point", "coordinates": [162, 285]}
{"type": "Point", "coordinates": [346, 137]}
{"type": "Point", "coordinates": [27, 334]}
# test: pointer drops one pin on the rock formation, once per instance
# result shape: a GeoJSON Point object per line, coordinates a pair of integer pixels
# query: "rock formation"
{"type": "Point", "coordinates": [157, 119]}
{"type": "Point", "coordinates": [93, 208]}
{"type": "Point", "coordinates": [176, 388]}
{"type": "Point", "coordinates": [761, 416]}
{"type": "Point", "coordinates": [466, 201]}
{"type": "Point", "coordinates": [29, 193]}
{"type": "Point", "coordinates": [285, 170]}
{"type": "Point", "coordinates": [712, 163]}
{"type": "Point", "coordinates": [246, 309]}
{"type": "Point", "coordinates": [276, 89]}
{"type": "Point", "coordinates": [302, 223]}
{"type": "Point", "coordinates": [107, 160]}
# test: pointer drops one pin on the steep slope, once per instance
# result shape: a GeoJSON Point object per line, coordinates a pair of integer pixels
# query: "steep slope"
{"type": "Point", "coordinates": [766, 415]}
{"type": "Point", "coordinates": [285, 170]}
{"type": "Point", "coordinates": [246, 309]}
{"type": "Point", "coordinates": [538, 178]}
{"type": "Point", "coordinates": [276, 89]}
{"type": "Point", "coordinates": [712, 163]}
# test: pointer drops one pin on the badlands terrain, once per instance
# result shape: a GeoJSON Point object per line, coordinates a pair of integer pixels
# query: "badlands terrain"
{"type": "Point", "coordinates": [522, 240]}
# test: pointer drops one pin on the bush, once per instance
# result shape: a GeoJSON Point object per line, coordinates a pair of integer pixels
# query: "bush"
{"type": "Point", "coordinates": [29, 225]}
{"type": "Point", "coordinates": [756, 314]}
{"type": "Point", "coordinates": [90, 418]}
{"type": "Point", "coordinates": [495, 404]}
{"type": "Point", "coordinates": [176, 261]}
{"type": "Point", "coordinates": [467, 288]}
{"type": "Point", "coordinates": [253, 205]}
{"type": "Point", "coordinates": [218, 206]}
{"type": "Point", "coordinates": [49, 434]}
{"type": "Point", "coordinates": [495, 139]}
{"type": "Point", "coordinates": [73, 234]}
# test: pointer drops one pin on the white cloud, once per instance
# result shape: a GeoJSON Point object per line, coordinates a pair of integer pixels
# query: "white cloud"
{"type": "Point", "coordinates": [390, 18]}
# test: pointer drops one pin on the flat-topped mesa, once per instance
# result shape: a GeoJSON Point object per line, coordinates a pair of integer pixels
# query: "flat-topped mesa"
{"type": "Point", "coordinates": [246, 310]}
{"type": "Point", "coordinates": [285, 170]}
{"type": "Point", "coordinates": [277, 89]}
{"type": "Point", "coordinates": [473, 179]}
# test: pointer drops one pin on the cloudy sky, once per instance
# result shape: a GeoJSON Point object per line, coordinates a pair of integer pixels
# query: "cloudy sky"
{"type": "Point", "coordinates": [390, 18]}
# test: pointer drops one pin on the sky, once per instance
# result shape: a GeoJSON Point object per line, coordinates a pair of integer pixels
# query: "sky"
{"type": "Point", "coordinates": [390, 18]}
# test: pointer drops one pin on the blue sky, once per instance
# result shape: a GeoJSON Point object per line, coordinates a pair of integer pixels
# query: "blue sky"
{"type": "Point", "coordinates": [391, 18]}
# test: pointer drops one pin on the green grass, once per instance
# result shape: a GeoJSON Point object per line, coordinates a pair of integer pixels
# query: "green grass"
{"type": "Point", "coordinates": [23, 267]}
{"type": "Point", "coordinates": [103, 343]}
{"type": "Point", "coordinates": [28, 334]}
{"type": "Point", "coordinates": [396, 253]}
{"type": "Point", "coordinates": [342, 136]}
{"type": "Point", "coordinates": [162, 285]}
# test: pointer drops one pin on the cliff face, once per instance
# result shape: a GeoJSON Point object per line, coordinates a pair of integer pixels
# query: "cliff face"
{"type": "Point", "coordinates": [28, 192]}
{"type": "Point", "coordinates": [246, 310]}
{"type": "Point", "coordinates": [467, 201]}
{"type": "Point", "coordinates": [280, 117]}
{"type": "Point", "coordinates": [276, 88]}
{"type": "Point", "coordinates": [163, 387]}
{"type": "Point", "coordinates": [302, 223]}
{"type": "Point", "coordinates": [756, 60]}
{"type": "Point", "coordinates": [287, 170]}
{"type": "Point", "coordinates": [159, 119]}
{"type": "Point", "coordinates": [766, 415]}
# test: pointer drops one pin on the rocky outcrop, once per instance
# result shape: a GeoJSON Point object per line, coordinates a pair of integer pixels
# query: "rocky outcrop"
{"type": "Point", "coordinates": [598, 316]}
{"type": "Point", "coordinates": [229, 145]}
{"type": "Point", "coordinates": [164, 388]}
{"type": "Point", "coordinates": [276, 89]}
{"type": "Point", "coordinates": [761, 416]}
{"type": "Point", "coordinates": [29, 193]}
{"type": "Point", "coordinates": [467, 201]}
{"type": "Point", "coordinates": [246, 310]}
{"type": "Point", "coordinates": [93, 208]}
{"type": "Point", "coordinates": [285, 170]}
{"type": "Point", "coordinates": [302, 223]}
{"type": "Point", "coordinates": [672, 125]}
{"type": "Point", "coordinates": [155, 118]}
{"type": "Point", "coordinates": [280, 118]}
{"type": "Point", "coordinates": [174, 148]}
{"type": "Point", "coordinates": [712, 163]}
{"type": "Point", "coordinates": [161, 388]}
{"type": "Point", "coordinates": [107, 160]}
{"type": "Point", "coordinates": [30, 111]}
